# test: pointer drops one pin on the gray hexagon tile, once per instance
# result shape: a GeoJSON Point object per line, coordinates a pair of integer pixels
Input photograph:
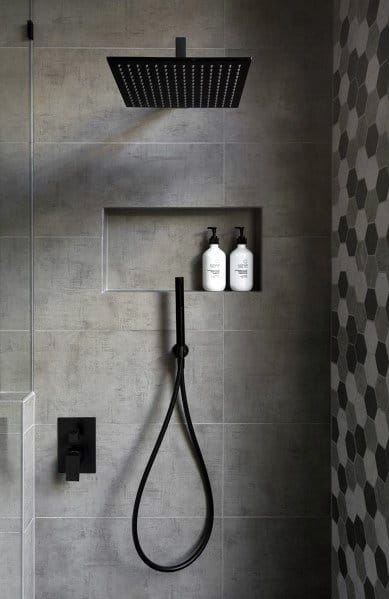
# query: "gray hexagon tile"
{"type": "Point", "coordinates": [360, 301]}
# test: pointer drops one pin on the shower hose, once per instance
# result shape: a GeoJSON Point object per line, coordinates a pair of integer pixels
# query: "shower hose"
{"type": "Point", "coordinates": [180, 351]}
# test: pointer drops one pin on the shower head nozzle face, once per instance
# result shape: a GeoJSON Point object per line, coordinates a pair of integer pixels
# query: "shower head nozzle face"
{"type": "Point", "coordinates": [180, 82]}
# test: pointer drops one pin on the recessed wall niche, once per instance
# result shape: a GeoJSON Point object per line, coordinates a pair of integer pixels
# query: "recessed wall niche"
{"type": "Point", "coordinates": [146, 248]}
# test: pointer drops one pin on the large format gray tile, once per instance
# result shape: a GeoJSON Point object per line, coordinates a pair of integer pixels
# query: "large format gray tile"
{"type": "Point", "coordinates": [137, 24]}
{"type": "Point", "coordinates": [28, 562]}
{"type": "Point", "coordinates": [28, 476]}
{"type": "Point", "coordinates": [15, 283]}
{"type": "Point", "coordinates": [74, 182]}
{"type": "Point", "coordinates": [253, 24]}
{"type": "Point", "coordinates": [14, 189]}
{"type": "Point", "coordinates": [13, 21]}
{"type": "Point", "coordinates": [276, 558]}
{"type": "Point", "coordinates": [14, 85]}
{"type": "Point", "coordinates": [291, 182]}
{"type": "Point", "coordinates": [92, 108]}
{"type": "Point", "coordinates": [276, 376]}
{"type": "Point", "coordinates": [11, 412]}
{"type": "Point", "coordinates": [286, 97]}
{"type": "Point", "coordinates": [96, 558]}
{"type": "Point", "coordinates": [295, 288]}
{"type": "Point", "coordinates": [276, 470]}
{"type": "Point", "coordinates": [10, 481]}
{"type": "Point", "coordinates": [15, 361]}
{"type": "Point", "coordinates": [68, 283]}
{"type": "Point", "coordinates": [10, 566]}
{"type": "Point", "coordinates": [124, 376]}
{"type": "Point", "coordinates": [174, 487]}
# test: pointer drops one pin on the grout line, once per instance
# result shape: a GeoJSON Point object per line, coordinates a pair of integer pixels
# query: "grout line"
{"type": "Point", "coordinates": [223, 461]}
{"type": "Point", "coordinates": [183, 208]}
{"type": "Point", "coordinates": [22, 560]}
{"type": "Point", "coordinates": [14, 331]}
{"type": "Point", "coordinates": [131, 330]}
{"type": "Point", "coordinates": [129, 48]}
{"type": "Point", "coordinates": [177, 143]}
{"type": "Point", "coordinates": [215, 423]}
{"type": "Point", "coordinates": [129, 518]}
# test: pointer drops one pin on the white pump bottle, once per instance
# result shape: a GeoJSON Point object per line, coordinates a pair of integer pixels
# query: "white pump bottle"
{"type": "Point", "coordinates": [214, 265]}
{"type": "Point", "coordinates": [241, 265]}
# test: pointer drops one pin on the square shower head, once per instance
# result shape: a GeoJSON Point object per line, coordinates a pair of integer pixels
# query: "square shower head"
{"type": "Point", "coordinates": [180, 82]}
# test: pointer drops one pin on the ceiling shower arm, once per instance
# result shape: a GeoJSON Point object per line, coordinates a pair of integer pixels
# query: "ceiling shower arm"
{"type": "Point", "coordinates": [180, 47]}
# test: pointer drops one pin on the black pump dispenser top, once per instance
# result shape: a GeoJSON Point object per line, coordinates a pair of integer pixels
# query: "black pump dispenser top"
{"type": "Point", "coordinates": [241, 239]}
{"type": "Point", "coordinates": [214, 238]}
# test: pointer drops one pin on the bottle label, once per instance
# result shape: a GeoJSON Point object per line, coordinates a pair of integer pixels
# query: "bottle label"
{"type": "Point", "coordinates": [214, 270]}
{"type": "Point", "coordinates": [241, 269]}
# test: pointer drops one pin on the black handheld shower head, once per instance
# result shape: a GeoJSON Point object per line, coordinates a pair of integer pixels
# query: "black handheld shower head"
{"type": "Point", "coordinates": [180, 351]}
{"type": "Point", "coordinates": [180, 318]}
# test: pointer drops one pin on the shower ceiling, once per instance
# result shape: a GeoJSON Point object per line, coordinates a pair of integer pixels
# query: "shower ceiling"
{"type": "Point", "coordinates": [180, 82]}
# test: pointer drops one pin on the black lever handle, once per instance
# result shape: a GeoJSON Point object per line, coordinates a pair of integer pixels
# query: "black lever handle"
{"type": "Point", "coordinates": [72, 465]}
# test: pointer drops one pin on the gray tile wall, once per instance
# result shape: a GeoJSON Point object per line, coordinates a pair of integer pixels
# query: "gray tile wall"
{"type": "Point", "coordinates": [17, 496]}
{"type": "Point", "coordinates": [360, 317]}
{"type": "Point", "coordinates": [15, 299]}
{"type": "Point", "coordinates": [257, 373]}
{"type": "Point", "coordinates": [16, 415]}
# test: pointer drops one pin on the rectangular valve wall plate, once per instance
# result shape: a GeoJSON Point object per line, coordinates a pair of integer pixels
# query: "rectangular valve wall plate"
{"type": "Point", "coordinates": [84, 441]}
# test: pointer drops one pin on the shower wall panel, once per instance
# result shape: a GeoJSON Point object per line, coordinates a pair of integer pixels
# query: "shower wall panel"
{"type": "Point", "coordinates": [257, 371]}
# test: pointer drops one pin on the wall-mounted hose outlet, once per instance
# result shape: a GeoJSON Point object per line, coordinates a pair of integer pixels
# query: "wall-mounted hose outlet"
{"type": "Point", "coordinates": [76, 447]}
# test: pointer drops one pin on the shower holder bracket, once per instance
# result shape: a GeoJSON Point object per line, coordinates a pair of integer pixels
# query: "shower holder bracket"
{"type": "Point", "coordinates": [180, 351]}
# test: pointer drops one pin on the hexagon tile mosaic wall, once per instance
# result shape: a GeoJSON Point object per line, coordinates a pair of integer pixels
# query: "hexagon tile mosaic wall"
{"type": "Point", "coordinates": [360, 301]}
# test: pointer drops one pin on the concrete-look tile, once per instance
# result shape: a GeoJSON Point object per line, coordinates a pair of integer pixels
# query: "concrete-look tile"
{"type": "Point", "coordinates": [276, 376]}
{"type": "Point", "coordinates": [68, 295]}
{"type": "Point", "coordinates": [67, 264]}
{"type": "Point", "coordinates": [13, 21]}
{"type": "Point", "coordinates": [295, 288]}
{"type": "Point", "coordinates": [291, 182]}
{"type": "Point", "coordinates": [14, 189]}
{"type": "Point", "coordinates": [124, 376]}
{"type": "Point", "coordinates": [174, 487]}
{"type": "Point", "coordinates": [14, 78]}
{"type": "Point", "coordinates": [132, 311]}
{"type": "Point", "coordinates": [96, 558]}
{"type": "Point", "coordinates": [286, 97]}
{"type": "Point", "coordinates": [10, 479]}
{"type": "Point", "coordinates": [276, 470]}
{"type": "Point", "coordinates": [136, 24]}
{"type": "Point", "coordinates": [92, 108]}
{"type": "Point", "coordinates": [28, 476]}
{"type": "Point", "coordinates": [11, 412]}
{"type": "Point", "coordinates": [252, 24]}
{"type": "Point", "coordinates": [15, 361]}
{"type": "Point", "coordinates": [15, 283]}
{"type": "Point", "coordinates": [74, 182]}
{"type": "Point", "coordinates": [10, 566]}
{"type": "Point", "coordinates": [28, 562]}
{"type": "Point", "coordinates": [276, 558]}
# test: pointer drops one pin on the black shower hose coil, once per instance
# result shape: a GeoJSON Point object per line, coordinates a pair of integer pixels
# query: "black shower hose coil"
{"type": "Point", "coordinates": [179, 385]}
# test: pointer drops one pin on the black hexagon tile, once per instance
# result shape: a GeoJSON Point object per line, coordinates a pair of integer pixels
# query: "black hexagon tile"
{"type": "Point", "coordinates": [360, 301]}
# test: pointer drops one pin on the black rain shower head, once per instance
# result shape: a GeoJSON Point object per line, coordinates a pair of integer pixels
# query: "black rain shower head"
{"type": "Point", "coordinates": [180, 82]}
